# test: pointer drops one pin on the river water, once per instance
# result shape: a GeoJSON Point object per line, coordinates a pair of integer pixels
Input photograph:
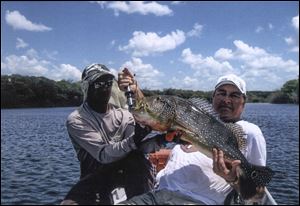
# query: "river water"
{"type": "Point", "coordinates": [39, 164]}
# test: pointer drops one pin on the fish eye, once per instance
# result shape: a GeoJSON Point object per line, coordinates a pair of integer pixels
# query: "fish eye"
{"type": "Point", "coordinates": [253, 174]}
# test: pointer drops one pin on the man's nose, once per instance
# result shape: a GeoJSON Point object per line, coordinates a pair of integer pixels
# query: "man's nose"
{"type": "Point", "coordinates": [227, 99]}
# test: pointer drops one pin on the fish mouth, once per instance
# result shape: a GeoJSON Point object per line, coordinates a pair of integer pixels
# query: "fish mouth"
{"type": "Point", "coordinates": [184, 139]}
{"type": "Point", "coordinates": [147, 120]}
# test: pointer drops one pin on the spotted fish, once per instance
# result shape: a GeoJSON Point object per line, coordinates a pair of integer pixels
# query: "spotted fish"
{"type": "Point", "coordinates": [202, 128]}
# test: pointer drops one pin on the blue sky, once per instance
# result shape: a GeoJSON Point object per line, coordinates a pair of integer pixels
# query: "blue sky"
{"type": "Point", "coordinates": [174, 44]}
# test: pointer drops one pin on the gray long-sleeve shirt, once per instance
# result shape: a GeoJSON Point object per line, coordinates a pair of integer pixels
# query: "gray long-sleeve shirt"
{"type": "Point", "coordinates": [106, 137]}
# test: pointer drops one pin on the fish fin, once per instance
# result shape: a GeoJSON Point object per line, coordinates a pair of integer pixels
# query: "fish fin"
{"type": "Point", "coordinates": [205, 106]}
{"type": "Point", "coordinates": [239, 133]}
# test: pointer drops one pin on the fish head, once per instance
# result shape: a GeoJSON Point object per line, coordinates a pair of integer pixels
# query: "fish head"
{"type": "Point", "coordinates": [156, 112]}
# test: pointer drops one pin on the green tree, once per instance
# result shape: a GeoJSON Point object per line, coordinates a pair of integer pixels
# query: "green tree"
{"type": "Point", "coordinates": [288, 93]}
{"type": "Point", "coordinates": [25, 91]}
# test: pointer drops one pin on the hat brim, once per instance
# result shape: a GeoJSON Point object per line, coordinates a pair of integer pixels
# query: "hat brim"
{"type": "Point", "coordinates": [228, 82]}
{"type": "Point", "coordinates": [98, 75]}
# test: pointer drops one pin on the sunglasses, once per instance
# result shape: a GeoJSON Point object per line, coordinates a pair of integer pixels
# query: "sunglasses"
{"type": "Point", "coordinates": [101, 85]}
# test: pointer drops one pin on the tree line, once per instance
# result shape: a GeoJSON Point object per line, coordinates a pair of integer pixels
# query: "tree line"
{"type": "Point", "coordinates": [27, 91]}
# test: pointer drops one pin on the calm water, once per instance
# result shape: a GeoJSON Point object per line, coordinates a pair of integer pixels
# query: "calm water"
{"type": "Point", "coordinates": [39, 166]}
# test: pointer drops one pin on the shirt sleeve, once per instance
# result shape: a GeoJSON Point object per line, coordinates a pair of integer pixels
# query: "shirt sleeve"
{"type": "Point", "coordinates": [256, 145]}
{"type": "Point", "coordinates": [115, 151]}
{"type": "Point", "coordinates": [91, 141]}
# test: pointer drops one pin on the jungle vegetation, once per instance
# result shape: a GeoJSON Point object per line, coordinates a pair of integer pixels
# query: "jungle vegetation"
{"type": "Point", "coordinates": [28, 91]}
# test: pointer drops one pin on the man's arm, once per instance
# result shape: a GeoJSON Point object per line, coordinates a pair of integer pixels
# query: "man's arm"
{"type": "Point", "coordinates": [92, 141]}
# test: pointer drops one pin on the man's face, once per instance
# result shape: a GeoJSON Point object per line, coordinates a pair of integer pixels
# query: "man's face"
{"type": "Point", "coordinates": [100, 90]}
{"type": "Point", "coordinates": [228, 102]}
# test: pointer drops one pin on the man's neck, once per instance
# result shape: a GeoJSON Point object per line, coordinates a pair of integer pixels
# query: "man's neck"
{"type": "Point", "coordinates": [100, 108]}
{"type": "Point", "coordinates": [233, 120]}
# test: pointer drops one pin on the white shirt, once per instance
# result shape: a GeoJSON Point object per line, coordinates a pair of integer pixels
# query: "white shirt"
{"type": "Point", "coordinates": [192, 173]}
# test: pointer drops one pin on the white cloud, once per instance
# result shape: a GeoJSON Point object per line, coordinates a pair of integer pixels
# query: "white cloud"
{"type": "Point", "coordinates": [189, 81]}
{"type": "Point", "coordinates": [253, 64]}
{"type": "Point", "coordinates": [294, 41]}
{"type": "Point", "coordinates": [140, 7]}
{"type": "Point", "coordinates": [144, 44]}
{"type": "Point", "coordinates": [145, 73]}
{"type": "Point", "coordinates": [272, 63]}
{"type": "Point", "coordinates": [295, 49]}
{"type": "Point", "coordinates": [24, 65]}
{"type": "Point", "coordinates": [110, 62]}
{"type": "Point", "coordinates": [259, 29]}
{"type": "Point", "coordinates": [101, 3]}
{"type": "Point", "coordinates": [206, 70]}
{"type": "Point", "coordinates": [289, 40]}
{"type": "Point", "coordinates": [32, 65]}
{"type": "Point", "coordinates": [207, 65]}
{"type": "Point", "coordinates": [65, 71]}
{"type": "Point", "coordinates": [21, 43]}
{"type": "Point", "coordinates": [255, 58]}
{"type": "Point", "coordinates": [271, 26]}
{"type": "Point", "coordinates": [113, 42]}
{"type": "Point", "coordinates": [246, 52]}
{"type": "Point", "coordinates": [295, 22]}
{"type": "Point", "coordinates": [223, 54]}
{"type": "Point", "coordinates": [186, 82]}
{"type": "Point", "coordinates": [50, 54]}
{"type": "Point", "coordinates": [32, 53]}
{"type": "Point", "coordinates": [177, 2]}
{"type": "Point", "coordinates": [18, 21]}
{"type": "Point", "coordinates": [196, 31]}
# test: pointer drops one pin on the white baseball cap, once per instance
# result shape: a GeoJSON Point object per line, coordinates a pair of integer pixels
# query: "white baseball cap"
{"type": "Point", "coordinates": [233, 80]}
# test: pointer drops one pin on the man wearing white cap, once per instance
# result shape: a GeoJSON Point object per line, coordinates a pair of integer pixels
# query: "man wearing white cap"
{"type": "Point", "coordinates": [107, 142]}
{"type": "Point", "coordinates": [229, 108]}
{"type": "Point", "coordinates": [190, 177]}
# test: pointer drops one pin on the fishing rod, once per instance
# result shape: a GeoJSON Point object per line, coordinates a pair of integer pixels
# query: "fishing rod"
{"type": "Point", "coordinates": [129, 93]}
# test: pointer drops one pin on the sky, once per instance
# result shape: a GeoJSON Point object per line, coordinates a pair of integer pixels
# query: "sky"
{"type": "Point", "coordinates": [166, 44]}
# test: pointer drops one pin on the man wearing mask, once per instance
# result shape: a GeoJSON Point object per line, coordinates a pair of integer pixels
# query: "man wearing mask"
{"type": "Point", "coordinates": [106, 140]}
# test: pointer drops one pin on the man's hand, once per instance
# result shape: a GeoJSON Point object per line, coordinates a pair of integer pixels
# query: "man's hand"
{"type": "Point", "coordinates": [125, 79]}
{"type": "Point", "coordinates": [152, 144]}
{"type": "Point", "coordinates": [140, 133]}
{"type": "Point", "coordinates": [225, 168]}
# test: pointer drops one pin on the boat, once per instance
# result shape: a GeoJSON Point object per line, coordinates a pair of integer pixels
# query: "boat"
{"type": "Point", "coordinates": [234, 199]}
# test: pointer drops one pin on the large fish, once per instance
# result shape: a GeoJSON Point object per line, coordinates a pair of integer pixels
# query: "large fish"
{"type": "Point", "coordinates": [202, 127]}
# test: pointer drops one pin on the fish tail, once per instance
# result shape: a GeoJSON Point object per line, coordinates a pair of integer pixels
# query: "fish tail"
{"type": "Point", "coordinates": [254, 176]}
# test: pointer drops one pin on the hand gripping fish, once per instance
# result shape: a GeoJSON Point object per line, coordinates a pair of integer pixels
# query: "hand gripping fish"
{"type": "Point", "coordinates": [202, 128]}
